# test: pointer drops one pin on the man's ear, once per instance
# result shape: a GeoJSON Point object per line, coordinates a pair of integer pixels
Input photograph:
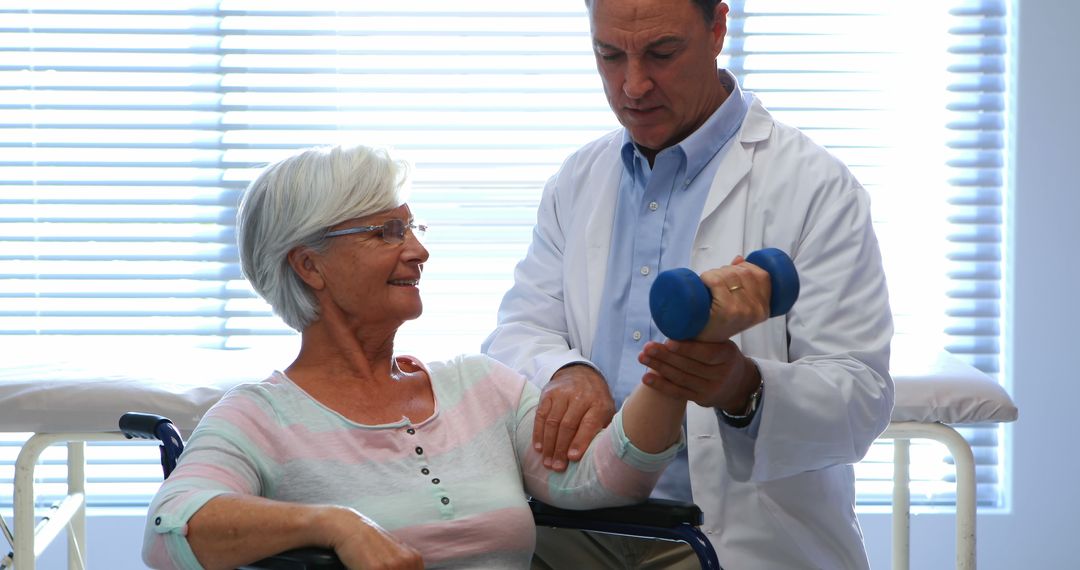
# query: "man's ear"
{"type": "Point", "coordinates": [305, 263]}
{"type": "Point", "coordinates": [719, 26]}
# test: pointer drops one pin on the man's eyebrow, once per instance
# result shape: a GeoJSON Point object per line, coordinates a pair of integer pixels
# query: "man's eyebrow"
{"type": "Point", "coordinates": [666, 40]}
{"type": "Point", "coordinates": [599, 44]}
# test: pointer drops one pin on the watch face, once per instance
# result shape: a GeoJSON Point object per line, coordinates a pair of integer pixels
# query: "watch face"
{"type": "Point", "coordinates": [755, 398]}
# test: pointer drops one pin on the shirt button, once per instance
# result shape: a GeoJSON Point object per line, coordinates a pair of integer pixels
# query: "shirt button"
{"type": "Point", "coordinates": [446, 500]}
{"type": "Point", "coordinates": [653, 206]}
{"type": "Point", "coordinates": [157, 521]}
{"type": "Point", "coordinates": [644, 269]}
{"type": "Point", "coordinates": [419, 450]}
{"type": "Point", "coordinates": [410, 431]}
{"type": "Point", "coordinates": [637, 335]}
{"type": "Point", "coordinates": [425, 471]}
{"type": "Point", "coordinates": [435, 481]}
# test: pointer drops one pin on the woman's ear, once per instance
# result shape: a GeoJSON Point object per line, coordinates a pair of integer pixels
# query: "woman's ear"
{"type": "Point", "coordinates": [305, 263]}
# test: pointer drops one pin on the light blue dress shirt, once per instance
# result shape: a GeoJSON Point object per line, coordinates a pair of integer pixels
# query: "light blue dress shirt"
{"type": "Point", "coordinates": [656, 219]}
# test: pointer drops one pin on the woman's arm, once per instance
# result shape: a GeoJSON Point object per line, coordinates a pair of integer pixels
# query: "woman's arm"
{"type": "Point", "coordinates": [210, 512]}
{"type": "Point", "coordinates": [621, 464]}
{"type": "Point", "coordinates": [652, 420]}
{"type": "Point", "coordinates": [230, 530]}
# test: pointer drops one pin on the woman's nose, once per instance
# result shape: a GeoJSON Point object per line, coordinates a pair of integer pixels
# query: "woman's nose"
{"type": "Point", "coordinates": [414, 249]}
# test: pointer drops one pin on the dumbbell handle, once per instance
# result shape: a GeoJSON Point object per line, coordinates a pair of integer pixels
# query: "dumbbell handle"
{"type": "Point", "coordinates": [680, 302]}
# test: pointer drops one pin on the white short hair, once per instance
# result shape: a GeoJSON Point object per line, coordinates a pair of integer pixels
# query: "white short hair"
{"type": "Point", "coordinates": [294, 201]}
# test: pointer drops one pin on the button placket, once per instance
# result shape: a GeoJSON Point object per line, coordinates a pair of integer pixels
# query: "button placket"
{"type": "Point", "coordinates": [425, 470]}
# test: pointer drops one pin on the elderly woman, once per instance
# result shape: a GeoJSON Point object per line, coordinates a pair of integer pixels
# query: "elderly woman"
{"type": "Point", "coordinates": [391, 462]}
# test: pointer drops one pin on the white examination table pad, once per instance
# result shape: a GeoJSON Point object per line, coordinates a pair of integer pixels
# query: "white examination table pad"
{"type": "Point", "coordinates": [71, 397]}
{"type": "Point", "coordinates": [935, 386]}
{"type": "Point", "coordinates": [88, 392]}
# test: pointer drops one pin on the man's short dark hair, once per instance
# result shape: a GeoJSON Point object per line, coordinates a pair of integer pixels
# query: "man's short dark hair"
{"type": "Point", "coordinates": [708, 9]}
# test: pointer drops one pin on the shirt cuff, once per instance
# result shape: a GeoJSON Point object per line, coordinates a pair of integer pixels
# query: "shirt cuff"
{"type": "Point", "coordinates": [551, 365]}
{"type": "Point", "coordinates": [638, 459]}
{"type": "Point", "coordinates": [174, 527]}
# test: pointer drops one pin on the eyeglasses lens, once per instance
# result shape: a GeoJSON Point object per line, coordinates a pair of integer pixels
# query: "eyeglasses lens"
{"type": "Point", "coordinates": [393, 231]}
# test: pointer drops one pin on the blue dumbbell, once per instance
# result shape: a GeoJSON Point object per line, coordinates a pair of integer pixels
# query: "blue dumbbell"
{"type": "Point", "coordinates": [680, 302]}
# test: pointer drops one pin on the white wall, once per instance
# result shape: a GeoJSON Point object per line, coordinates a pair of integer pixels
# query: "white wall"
{"type": "Point", "coordinates": [1039, 531]}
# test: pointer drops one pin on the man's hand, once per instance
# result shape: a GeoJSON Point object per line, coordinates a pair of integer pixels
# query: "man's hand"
{"type": "Point", "coordinates": [574, 406]}
{"type": "Point", "coordinates": [711, 374]}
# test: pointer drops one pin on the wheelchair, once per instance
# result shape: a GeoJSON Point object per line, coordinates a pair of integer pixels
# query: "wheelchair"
{"type": "Point", "coordinates": [654, 519]}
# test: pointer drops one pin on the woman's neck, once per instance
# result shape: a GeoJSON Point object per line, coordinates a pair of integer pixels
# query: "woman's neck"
{"type": "Point", "coordinates": [360, 378]}
{"type": "Point", "coordinates": [364, 354]}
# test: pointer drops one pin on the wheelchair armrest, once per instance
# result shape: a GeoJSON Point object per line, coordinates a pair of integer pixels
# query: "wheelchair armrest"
{"type": "Point", "coordinates": [653, 512]}
{"type": "Point", "coordinates": [308, 558]}
{"type": "Point", "coordinates": [141, 425]}
{"type": "Point", "coordinates": [655, 518]}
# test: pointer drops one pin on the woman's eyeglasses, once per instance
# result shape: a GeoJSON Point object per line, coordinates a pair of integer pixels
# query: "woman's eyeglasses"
{"type": "Point", "coordinates": [392, 231]}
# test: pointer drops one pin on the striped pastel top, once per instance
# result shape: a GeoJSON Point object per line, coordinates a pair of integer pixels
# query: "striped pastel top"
{"type": "Point", "coordinates": [453, 486]}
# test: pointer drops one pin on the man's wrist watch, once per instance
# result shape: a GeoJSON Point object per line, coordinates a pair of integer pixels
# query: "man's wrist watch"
{"type": "Point", "coordinates": [748, 416]}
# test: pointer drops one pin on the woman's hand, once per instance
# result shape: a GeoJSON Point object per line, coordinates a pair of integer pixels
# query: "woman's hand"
{"type": "Point", "coordinates": [362, 544]}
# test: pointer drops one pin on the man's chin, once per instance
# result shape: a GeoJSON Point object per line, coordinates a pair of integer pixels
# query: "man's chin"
{"type": "Point", "coordinates": [648, 140]}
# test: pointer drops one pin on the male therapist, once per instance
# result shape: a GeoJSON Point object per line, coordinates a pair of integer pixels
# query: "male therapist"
{"type": "Point", "coordinates": [699, 174]}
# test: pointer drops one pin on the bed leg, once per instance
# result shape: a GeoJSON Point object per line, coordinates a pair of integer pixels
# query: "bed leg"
{"type": "Point", "coordinates": [30, 539]}
{"type": "Point", "coordinates": [964, 460]}
{"type": "Point", "coordinates": [77, 485]}
{"type": "Point", "coordinates": [901, 507]}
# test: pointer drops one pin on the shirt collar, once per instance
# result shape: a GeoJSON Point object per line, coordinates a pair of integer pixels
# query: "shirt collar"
{"type": "Point", "coordinates": [703, 144]}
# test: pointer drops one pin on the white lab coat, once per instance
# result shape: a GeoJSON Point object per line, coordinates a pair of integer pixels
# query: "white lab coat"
{"type": "Point", "coordinates": [783, 497]}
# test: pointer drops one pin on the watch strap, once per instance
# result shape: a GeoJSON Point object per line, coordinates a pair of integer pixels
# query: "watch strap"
{"type": "Point", "coordinates": [744, 420]}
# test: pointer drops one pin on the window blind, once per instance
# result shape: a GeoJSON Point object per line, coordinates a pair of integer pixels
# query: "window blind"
{"type": "Point", "coordinates": [129, 129]}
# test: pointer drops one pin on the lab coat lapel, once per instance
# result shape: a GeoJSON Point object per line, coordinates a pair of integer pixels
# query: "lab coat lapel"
{"type": "Point", "coordinates": [737, 158]}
